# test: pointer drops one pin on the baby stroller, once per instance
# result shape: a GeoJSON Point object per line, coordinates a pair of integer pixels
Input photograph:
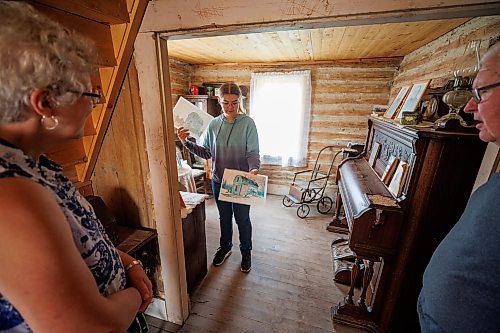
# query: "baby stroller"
{"type": "Point", "coordinates": [307, 191]}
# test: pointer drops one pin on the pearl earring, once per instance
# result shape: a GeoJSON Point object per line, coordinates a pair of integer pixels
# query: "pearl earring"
{"type": "Point", "coordinates": [49, 123]}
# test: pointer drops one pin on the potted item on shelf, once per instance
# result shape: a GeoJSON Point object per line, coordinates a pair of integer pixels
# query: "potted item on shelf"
{"type": "Point", "coordinates": [210, 91]}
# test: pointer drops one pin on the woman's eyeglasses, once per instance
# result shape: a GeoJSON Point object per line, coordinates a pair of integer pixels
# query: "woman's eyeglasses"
{"type": "Point", "coordinates": [233, 103]}
{"type": "Point", "coordinates": [95, 95]}
{"type": "Point", "coordinates": [477, 92]}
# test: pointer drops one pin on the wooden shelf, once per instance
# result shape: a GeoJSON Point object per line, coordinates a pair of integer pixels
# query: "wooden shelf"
{"type": "Point", "coordinates": [209, 104]}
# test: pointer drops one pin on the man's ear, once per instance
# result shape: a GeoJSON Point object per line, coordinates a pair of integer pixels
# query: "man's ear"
{"type": "Point", "coordinates": [40, 102]}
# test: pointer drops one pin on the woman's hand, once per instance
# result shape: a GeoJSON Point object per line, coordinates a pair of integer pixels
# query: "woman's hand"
{"type": "Point", "coordinates": [137, 278]}
{"type": "Point", "coordinates": [254, 171]}
{"type": "Point", "coordinates": [182, 134]}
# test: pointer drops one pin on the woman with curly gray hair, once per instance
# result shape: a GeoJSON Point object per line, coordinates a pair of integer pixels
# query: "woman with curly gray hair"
{"type": "Point", "coordinates": [60, 272]}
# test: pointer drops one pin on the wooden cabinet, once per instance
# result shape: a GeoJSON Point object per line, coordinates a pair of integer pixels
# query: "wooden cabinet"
{"type": "Point", "coordinates": [394, 238]}
{"type": "Point", "coordinates": [208, 104]}
{"type": "Point", "coordinates": [195, 246]}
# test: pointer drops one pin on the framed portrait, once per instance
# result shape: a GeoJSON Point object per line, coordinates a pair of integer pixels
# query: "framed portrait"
{"type": "Point", "coordinates": [411, 102]}
{"type": "Point", "coordinates": [391, 111]}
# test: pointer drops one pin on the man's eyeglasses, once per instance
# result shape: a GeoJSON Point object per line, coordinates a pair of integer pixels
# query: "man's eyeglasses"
{"type": "Point", "coordinates": [477, 92]}
{"type": "Point", "coordinates": [233, 103]}
{"type": "Point", "coordinates": [95, 95]}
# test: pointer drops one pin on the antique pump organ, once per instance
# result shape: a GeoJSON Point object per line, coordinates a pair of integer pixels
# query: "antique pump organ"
{"type": "Point", "coordinates": [394, 236]}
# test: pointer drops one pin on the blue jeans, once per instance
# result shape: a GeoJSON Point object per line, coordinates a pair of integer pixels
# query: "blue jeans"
{"type": "Point", "coordinates": [241, 215]}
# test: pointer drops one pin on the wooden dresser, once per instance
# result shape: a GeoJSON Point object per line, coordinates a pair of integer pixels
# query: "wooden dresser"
{"type": "Point", "coordinates": [394, 238]}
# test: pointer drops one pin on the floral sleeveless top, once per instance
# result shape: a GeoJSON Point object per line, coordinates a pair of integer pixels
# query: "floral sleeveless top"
{"type": "Point", "coordinates": [88, 234]}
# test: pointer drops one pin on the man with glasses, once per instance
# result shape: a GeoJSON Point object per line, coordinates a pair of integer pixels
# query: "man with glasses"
{"type": "Point", "coordinates": [461, 285]}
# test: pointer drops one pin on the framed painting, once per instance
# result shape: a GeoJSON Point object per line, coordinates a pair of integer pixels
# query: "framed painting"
{"type": "Point", "coordinates": [411, 102]}
{"type": "Point", "coordinates": [391, 111]}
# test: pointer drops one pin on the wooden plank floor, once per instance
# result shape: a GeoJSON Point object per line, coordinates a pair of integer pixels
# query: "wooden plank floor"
{"type": "Point", "coordinates": [290, 286]}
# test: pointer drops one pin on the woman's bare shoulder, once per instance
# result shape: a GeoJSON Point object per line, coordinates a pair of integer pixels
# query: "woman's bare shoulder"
{"type": "Point", "coordinates": [31, 206]}
{"type": "Point", "coordinates": [19, 191]}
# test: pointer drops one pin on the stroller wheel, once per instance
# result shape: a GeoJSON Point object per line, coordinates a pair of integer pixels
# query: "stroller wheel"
{"type": "Point", "coordinates": [287, 202]}
{"type": "Point", "coordinates": [324, 205]}
{"type": "Point", "coordinates": [303, 211]}
{"type": "Point", "coordinates": [309, 195]}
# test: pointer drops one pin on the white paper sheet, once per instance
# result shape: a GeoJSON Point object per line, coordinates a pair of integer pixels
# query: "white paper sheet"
{"type": "Point", "coordinates": [189, 116]}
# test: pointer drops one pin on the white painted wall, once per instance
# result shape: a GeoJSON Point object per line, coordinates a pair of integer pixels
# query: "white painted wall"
{"type": "Point", "coordinates": [163, 180]}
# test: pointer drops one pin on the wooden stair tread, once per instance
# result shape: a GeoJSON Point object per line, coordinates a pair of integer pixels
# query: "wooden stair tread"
{"type": "Point", "coordinates": [110, 12]}
{"type": "Point", "coordinates": [70, 153]}
{"type": "Point", "coordinates": [100, 33]}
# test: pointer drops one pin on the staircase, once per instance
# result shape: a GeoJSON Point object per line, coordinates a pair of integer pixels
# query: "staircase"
{"type": "Point", "coordinates": [113, 26]}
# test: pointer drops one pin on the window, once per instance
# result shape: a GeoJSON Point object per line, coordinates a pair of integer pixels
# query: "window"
{"type": "Point", "coordinates": [280, 104]}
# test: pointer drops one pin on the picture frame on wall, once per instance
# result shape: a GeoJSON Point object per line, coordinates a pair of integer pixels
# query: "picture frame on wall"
{"type": "Point", "coordinates": [392, 110]}
{"type": "Point", "coordinates": [413, 99]}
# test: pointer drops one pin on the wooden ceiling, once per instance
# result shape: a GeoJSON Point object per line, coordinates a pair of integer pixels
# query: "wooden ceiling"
{"type": "Point", "coordinates": [321, 44]}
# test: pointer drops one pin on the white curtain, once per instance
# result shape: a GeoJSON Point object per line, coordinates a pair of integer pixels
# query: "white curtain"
{"type": "Point", "coordinates": [280, 104]}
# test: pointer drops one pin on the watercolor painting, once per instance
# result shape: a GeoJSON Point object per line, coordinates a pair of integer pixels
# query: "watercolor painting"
{"type": "Point", "coordinates": [243, 187]}
{"type": "Point", "coordinates": [190, 116]}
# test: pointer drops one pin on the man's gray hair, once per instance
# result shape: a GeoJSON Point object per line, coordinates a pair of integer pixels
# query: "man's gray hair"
{"type": "Point", "coordinates": [38, 53]}
{"type": "Point", "coordinates": [493, 51]}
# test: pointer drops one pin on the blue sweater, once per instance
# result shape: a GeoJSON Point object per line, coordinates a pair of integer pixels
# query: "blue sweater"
{"type": "Point", "coordinates": [232, 145]}
{"type": "Point", "coordinates": [461, 285]}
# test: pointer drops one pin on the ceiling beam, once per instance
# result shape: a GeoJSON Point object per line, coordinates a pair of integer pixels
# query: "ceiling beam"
{"type": "Point", "coordinates": [189, 19]}
{"type": "Point", "coordinates": [307, 63]}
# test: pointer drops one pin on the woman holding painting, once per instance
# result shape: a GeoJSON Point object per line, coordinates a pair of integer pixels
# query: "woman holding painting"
{"type": "Point", "coordinates": [232, 142]}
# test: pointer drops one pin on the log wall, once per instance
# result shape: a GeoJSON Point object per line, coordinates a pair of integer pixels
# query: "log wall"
{"type": "Point", "coordinates": [438, 59]}
{"type": "Point", "coordinates": [180, 78]}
